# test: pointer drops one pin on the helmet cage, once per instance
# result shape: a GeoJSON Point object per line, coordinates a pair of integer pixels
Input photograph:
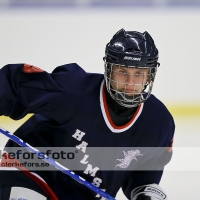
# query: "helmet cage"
{"type": "Point", "coordinates": [140, 90]}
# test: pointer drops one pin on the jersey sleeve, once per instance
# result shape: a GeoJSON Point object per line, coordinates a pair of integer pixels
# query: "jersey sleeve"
{"type": "Point", "coordinates": [150, 174]}
{"type": "Point", "coordinates": [139, 178]}
{"type": "Point", "coordinates": [151, 171]}
{"type": "Point", "coordinates": [28, 89]}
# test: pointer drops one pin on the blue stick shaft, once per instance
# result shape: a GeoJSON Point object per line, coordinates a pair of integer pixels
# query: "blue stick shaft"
{"type": "Point", "coordinates": [55, 164]}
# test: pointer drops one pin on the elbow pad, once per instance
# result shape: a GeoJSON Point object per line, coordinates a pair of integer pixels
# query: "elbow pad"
{"type": "Point", "coordinates": [148, 192]}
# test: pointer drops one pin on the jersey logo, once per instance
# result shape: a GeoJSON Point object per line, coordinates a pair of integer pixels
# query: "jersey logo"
{"type": "Point", "coordinates": [131, 58]}
{"type": "Point", "coordinates": [31, 69]}
{"type": "Point", "coordinates": [129, 156]}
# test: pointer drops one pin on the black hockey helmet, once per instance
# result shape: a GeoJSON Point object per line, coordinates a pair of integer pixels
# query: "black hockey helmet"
{"type": "Point", "coordinates": [133, 50]}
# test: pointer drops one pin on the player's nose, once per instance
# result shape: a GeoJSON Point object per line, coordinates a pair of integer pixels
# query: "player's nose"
{"type": "Point", "coordinates": [130, 79]}
{"type": "Point", "coordinates": [130, 83]}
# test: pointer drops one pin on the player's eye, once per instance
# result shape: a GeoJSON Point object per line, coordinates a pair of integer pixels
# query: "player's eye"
{"type": "Point", "coordinates": [139, 74]}
{"type": "Point", "coordinates": [122, 72]}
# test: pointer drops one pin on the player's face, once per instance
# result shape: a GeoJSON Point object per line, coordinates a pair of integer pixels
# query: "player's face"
{"type": "Point", "coordinates": [129, 80]}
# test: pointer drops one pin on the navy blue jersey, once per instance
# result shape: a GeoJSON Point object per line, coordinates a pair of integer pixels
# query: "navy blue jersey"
{"type": "Point", "coordinates": [71, 111]}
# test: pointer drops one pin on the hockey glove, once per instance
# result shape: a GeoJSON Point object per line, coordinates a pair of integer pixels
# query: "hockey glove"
{"type": "Point", "coordinates": [148, 192]}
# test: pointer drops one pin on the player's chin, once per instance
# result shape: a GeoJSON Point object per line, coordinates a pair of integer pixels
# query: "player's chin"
{"type": "Point", "coordinates": [131, 95]}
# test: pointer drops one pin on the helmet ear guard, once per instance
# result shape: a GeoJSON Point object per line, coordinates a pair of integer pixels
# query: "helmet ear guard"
{"type": "Point", "coordinates": [130, 50]}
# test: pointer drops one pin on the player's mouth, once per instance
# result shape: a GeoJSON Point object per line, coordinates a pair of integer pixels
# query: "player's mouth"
{"type": "Point", "coordinates": [130, 91]}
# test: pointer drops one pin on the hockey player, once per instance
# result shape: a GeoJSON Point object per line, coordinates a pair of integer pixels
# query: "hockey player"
{"type": "Point", "coordinates": [78, 109]}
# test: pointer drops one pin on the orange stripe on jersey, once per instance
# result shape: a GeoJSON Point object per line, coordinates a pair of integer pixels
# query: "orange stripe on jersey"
{"type": "Point", "coordinates": [109, 117]}
{"type": "Point", "coordinates": [31, 69]}
{"type": "Point", "coordinates": [169, 148]}
{"type": "Point", "coordinates": [7, 159]}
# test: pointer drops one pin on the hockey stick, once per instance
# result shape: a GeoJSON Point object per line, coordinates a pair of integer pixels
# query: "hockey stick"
{"type": "Point", "coordinates": [55, 164]}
